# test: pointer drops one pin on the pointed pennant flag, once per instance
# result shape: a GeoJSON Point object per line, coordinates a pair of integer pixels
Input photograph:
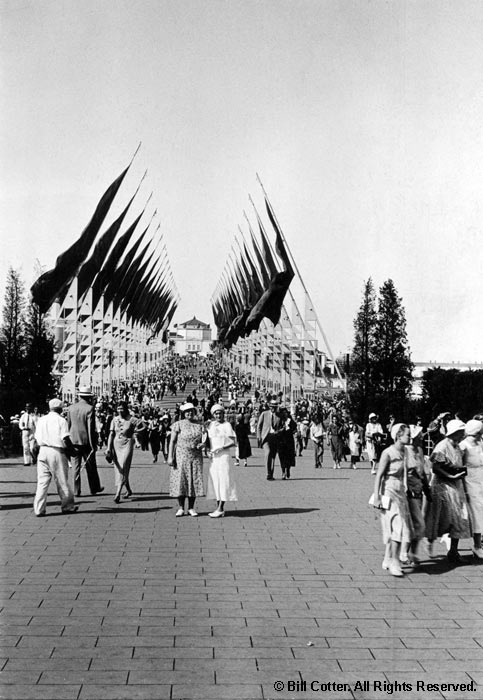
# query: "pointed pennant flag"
{"type": "Point", "coordinates": [49, 285]}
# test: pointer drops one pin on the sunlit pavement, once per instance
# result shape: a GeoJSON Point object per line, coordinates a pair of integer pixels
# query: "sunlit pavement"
{"type": "Point", "coordinates": [285, 597]}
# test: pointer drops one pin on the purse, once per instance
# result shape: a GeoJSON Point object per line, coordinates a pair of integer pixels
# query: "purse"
{"type": "Point", "coordinates": [385, 501]}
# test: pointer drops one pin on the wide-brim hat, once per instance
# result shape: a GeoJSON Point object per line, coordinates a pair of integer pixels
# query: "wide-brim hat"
{"type": "Point", "coordinates": [273, 403]}
{"type": "Point", "coordinates": [186, 407]}
{"type": "Point", "coordinates": [84, 390]}
{"type": "Point", "coordinates": [454, 426]}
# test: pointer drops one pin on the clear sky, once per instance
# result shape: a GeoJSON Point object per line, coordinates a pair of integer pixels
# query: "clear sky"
{"type": "Point", "coordinates": [363, 119]}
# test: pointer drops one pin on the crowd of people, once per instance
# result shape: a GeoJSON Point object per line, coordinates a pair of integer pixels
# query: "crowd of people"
{"type": "Point", "coordinates": [435, 496]}
{"type": "Point", "coordinates": [428, 481]}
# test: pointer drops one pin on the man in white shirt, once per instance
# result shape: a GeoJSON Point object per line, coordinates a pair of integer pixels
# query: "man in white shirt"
{"type": "Point", "coordinates": [27, 424]}
{"type": "Point", "coordinates": [52, 435]}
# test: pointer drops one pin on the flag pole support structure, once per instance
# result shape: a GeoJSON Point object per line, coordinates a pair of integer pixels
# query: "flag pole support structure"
{"type": "Point", "coordinates": [331, 354]}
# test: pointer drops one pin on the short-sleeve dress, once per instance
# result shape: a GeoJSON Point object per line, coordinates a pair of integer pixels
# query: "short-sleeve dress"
{"type": "Point", "coordinates": [473, 461]}
{"type": "Point", "coordinates": [221, 474]}
{"type": "Point", "coordinates": [396, 520]}
{"type": "Point", "coordinates": [123, 429]}
{"type": "Point", "coordinates": [448, 511]}
{"type": "Point", "coordinates": [187, 478]}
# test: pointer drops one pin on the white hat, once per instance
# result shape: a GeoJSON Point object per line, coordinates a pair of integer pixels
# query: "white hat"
{"type": "Point", "coordinates": [186, 407]}
{"type": "Point", "coordinates": [372, 415]}
{"type": "Point", "coordinates": [84, 390]}
{"type": "Point", "coordinates": [415, 430]}
{"type": "Point", "coordinates": [55, 403]}
{"type": "Point", "coordinates": [216, 407]}
{"type": "Point", "coordinates": [454, 426]}
{"type": "Point", "coordinates": [395, 429]}
{"type": "Point", "coordinates": [473, 427]}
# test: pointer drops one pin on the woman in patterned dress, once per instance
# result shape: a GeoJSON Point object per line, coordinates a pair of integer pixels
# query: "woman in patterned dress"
{"type": "Point", "coordinates": [185, 458]}
{"type": "Point", "coordinates": [120, 447]}
{"type": "Point", "coordinates": [448, 511]}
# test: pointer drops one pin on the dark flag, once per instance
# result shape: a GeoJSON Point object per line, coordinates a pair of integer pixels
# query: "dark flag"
{"type": "Point", "coordinates": [51, 284]}
{"type": "Point", "coordinates": [270, 303]}
{"type": "Point", "coordinates": [92, 266]}
{"type": "Point", "coordinates": [110, 269]}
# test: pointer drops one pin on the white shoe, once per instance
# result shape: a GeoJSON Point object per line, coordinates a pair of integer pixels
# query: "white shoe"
{"type": "Point", "coordinates": [179, 512]}
{"type": "Point", "coordinates": [217, 514]}
{"type": "Point", "coordinates": [478, 552]}
{"type": "Point", "coordinates": [446, 541]}
{"type": "Point", "coordinates": [193, 513]}
{"type": "Point", "coordinates": [386, 564]}
{"type": "Point", "coordinates": [395, 569]}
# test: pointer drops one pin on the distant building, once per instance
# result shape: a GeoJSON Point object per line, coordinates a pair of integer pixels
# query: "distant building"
{"type": "Point", "coordinates": [192, 337]}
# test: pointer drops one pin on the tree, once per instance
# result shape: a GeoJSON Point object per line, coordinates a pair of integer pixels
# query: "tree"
{"type": "Point", "coordinates": [12, 335]}
{"type": "Point", "coordinates": [392, 367]}
{"type": "Point", "coordinates": [39, 356]}
{"type": "Point", "coordinates": [360, 384]}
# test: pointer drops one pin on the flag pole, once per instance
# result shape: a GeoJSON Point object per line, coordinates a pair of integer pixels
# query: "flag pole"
{"type": "Point", "coordinates": [302, 282]}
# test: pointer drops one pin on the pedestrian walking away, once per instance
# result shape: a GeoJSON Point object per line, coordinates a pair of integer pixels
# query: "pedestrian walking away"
{"type": "Point", "coordinates": [52, 436]}
{"type": "Point", "coordinates": [81, 420]}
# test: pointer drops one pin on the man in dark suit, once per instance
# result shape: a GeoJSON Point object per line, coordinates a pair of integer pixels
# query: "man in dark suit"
{"type": "Point", "coordinates": [81, 420]}
{"type": "Point", "coordinates": [268, 427]}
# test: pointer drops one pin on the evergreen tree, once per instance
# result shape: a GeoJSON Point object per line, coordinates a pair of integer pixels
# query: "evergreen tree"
{"type": "Point", "coordinates": [12, 334]}
{"type": "Point", "coordinates": [39, 357]}
{"type": "Point", "coordinates": [392, 359]}
{"type": "Point", "coordinates": [360, 384]}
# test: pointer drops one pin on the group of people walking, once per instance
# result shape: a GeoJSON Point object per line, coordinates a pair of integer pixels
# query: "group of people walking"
{"type": "Point", "coordinates": [436, 497]}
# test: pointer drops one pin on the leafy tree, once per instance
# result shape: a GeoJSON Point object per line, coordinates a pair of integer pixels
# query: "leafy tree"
{"type": "Point", "coordinates": [360, 384]}
{"type": "Point", "coordinates": [392, 358]}
{"type": "Point", "coordinates": [453, 391]}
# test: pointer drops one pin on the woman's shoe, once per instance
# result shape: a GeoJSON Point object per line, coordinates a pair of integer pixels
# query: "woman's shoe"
{"type": "Point", "coordinates": [385, 564]}
{"type": "Point", "coordinates": [217, 514]}
{"type": "Point", "coordinates": [117, 498]}
{"type": "Point", "coordinates": [193, 513]}
{"type": "Point", "coordinates": [179, 512]}
{"type": "Point", "coordinates": [477, 552]}
{"type": "Point", "coordinates": [395, 569]}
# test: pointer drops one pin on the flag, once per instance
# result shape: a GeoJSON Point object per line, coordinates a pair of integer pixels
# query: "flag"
{"type": "Point", "coordinates": [92, 266]}
{"type": "Point", "coordinates": [49, 285]}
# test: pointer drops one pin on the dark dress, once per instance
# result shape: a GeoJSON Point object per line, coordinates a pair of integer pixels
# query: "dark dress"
{"type": "Point", "coordinates": [242, 431]}
{"type": "Point", "coordinates": [286, 445]}
{"type": "Point", "coordinates": [335, 434]}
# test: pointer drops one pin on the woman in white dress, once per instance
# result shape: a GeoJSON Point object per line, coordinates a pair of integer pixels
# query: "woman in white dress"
{"type": "Point", "coordinates": [221, 474]}
{"type": "Point", "coordinates": [373, 436]}
{"type": "Point", "coordinates": [473, 461]}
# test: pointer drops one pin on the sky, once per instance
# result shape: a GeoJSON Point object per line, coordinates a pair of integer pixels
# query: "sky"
{"type": "Point", "coordinates": [364, 121]}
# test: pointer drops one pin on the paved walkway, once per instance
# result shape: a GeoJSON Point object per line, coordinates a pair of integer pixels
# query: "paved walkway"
{"type": "Point", "coordinates": [127, 601]}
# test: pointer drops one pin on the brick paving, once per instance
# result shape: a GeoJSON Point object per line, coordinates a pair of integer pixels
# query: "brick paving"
{"type": "Point", "coordinates": [127, 601]}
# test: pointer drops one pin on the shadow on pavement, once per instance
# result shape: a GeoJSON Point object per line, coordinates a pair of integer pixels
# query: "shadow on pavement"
{"type": "Point", "coordinates": [255, 512]}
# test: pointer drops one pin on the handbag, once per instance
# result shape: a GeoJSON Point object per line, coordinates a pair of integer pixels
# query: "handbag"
{"type": "Point", "coordinates": [385, 501]}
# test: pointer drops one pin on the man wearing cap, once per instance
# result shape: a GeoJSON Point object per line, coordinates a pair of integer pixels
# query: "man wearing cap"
{"type": "Point", "coordinates": [268, 427]}
{"type": "Point", "coordinates": [27, 424]}
{"type": "Point", "coordinates": [81, 419]}
{"type": "Point", "coordinates": [52, 435]}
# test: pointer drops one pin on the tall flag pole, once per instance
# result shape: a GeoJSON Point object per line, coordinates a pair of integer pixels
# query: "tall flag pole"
{"type": "Point", "coordinates": [275, 224]}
